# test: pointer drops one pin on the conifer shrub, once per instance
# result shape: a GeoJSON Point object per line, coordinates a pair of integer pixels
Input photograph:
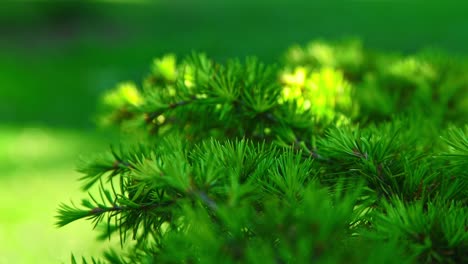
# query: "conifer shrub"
{"type": "Point", "coordinates": [336, 154]}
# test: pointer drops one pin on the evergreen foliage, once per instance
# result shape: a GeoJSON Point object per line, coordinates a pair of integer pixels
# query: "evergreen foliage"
{"type": "Point", "coordinates": [334, 155]}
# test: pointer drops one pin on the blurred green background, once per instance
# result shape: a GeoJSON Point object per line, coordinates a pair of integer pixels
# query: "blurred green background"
{"type": "Point", "coordinates": [58, 57]}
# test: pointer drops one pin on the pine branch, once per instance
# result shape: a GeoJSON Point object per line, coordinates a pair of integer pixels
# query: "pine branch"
{"type": "Point", "coordinates": [333, 156]}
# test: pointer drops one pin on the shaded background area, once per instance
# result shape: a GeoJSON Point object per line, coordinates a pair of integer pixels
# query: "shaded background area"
{"type": "Point", "coordinates": [58, 57]}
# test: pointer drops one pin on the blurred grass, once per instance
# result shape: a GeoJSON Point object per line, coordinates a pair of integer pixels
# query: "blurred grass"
{"type": "Point", "coordinates": [56, 58]}
{"type": "Point", "coordinates": [37, 166]}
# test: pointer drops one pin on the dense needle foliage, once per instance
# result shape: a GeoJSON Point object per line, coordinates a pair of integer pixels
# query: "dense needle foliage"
{"type": "Point", "coordinates": [334, 155]}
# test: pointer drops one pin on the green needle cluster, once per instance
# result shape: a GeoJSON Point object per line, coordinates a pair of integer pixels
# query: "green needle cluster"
{"type": "Point", "coordinates": [336, 154]}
